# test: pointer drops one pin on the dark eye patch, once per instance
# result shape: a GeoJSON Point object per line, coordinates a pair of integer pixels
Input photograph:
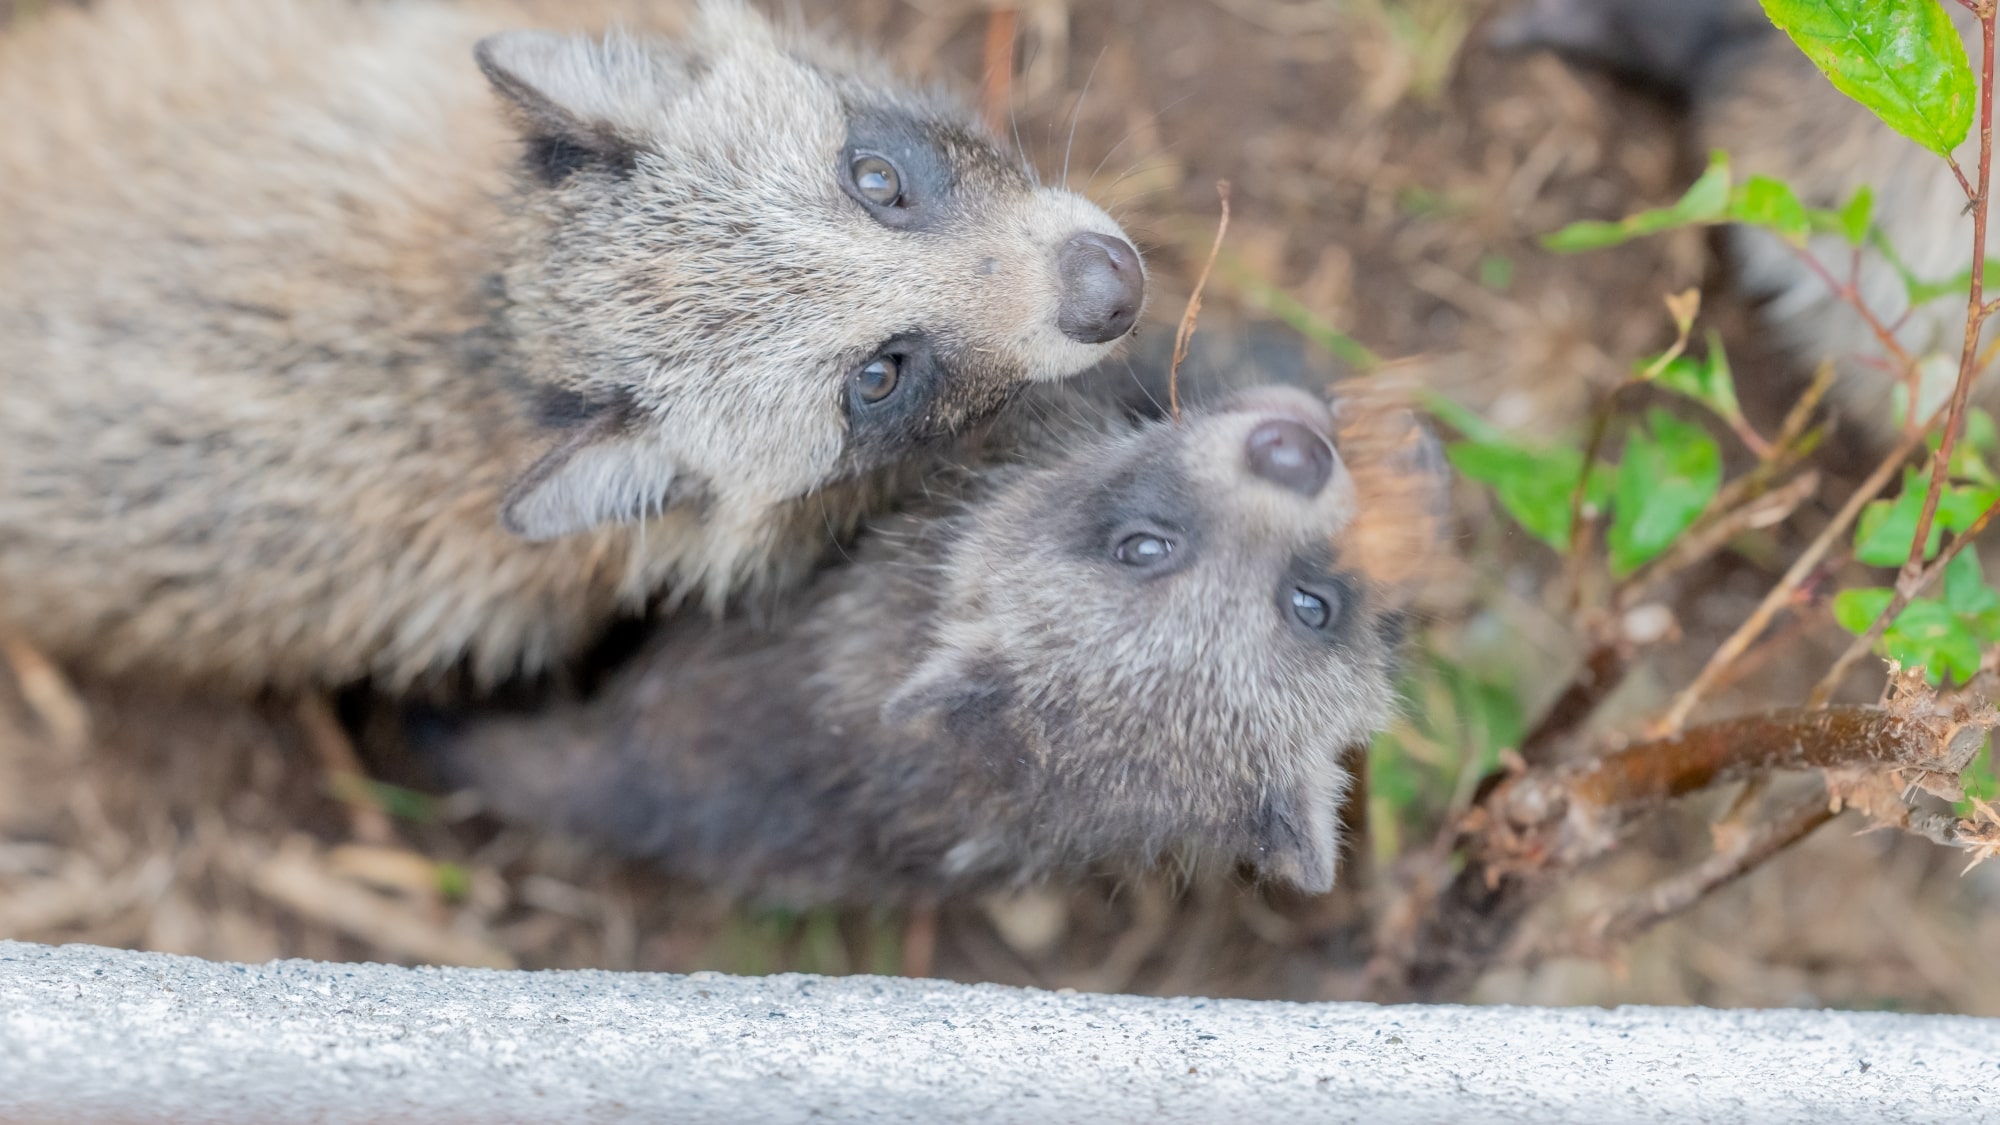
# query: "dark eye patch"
{"type": "Point", "coordinates": [1141, 516]}
{"type": "Point", "coordinates": [915, 391]}
{"type": "Point", "coordinates": [926, 187]}
{"type": "Point", "coordinates": [1316, 598]}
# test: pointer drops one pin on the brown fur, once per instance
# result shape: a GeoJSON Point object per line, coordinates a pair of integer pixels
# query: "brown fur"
{"type": "Point", "coordinates": [291, 334]}
{"type": "Point", "coordinates": [988, 695]}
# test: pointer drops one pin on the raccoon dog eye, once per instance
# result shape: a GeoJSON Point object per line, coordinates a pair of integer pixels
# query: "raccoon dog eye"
{"type": "Point", "coordinates": [877, 180]}
{"type": "Point", "coordinates": [876, 380]}
{"type": "Point", "coordinates": [1311, 610]}
{"type": "Point", "coordinates": [1142, 549]}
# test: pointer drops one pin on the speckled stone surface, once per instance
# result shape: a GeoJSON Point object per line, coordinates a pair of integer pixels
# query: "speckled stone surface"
{"type": "Point", "coordinates": [89, 1034]}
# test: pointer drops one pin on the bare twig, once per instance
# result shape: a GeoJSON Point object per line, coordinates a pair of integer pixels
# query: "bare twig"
{"type": "Point", "coordinates": [1849, 294]}
{"type": "Point", "coordinates": [1581, 527]}
{"type": "Point", "coordinates": [1708, 537]}
{"type": "Point", "coordinates": [1537, 825]}
{"type": "Point", "coordinates": [1756, 843]}
{"type": "Point", "coordinates": [1975, 310]}
{"type": "Point", "coordinates": [1193, 313]}
{"type": "Point", "coordinates": [1781, 594]}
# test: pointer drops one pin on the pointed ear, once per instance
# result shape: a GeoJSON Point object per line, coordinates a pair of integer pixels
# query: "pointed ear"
{"type": "Point", "coordinates": [605, 471]}
{"type": "Point", "coordinates": [964, 690]}
{"type": "Point", "coordinates": [577, 101]}
{"type": "Point", "coordinates": [1299, 839]}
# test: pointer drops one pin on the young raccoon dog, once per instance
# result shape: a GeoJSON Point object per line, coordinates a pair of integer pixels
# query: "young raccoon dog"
{"type": "Point", "coordinates": [1754, 95]}
{"type": "Point", "coordinates": [346, 339]}
{"type": "Point", "coordinates": [1148, 640]}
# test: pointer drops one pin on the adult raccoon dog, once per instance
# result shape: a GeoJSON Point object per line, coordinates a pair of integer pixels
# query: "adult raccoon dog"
{"type": "Point", "coordinates": [1754, 95]}
{"type": "Point", "coordinates": [319, 360]}
{"type": "Point", "coordinates": [1153, 639]}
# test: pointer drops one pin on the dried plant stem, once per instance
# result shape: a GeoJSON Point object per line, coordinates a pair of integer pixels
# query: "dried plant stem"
{"type": "Point", "coordinates": [1193, 313]}
{"type": "Point", "coordinates": [1781, 594]}
{"type": "Point", "coordinates": [1580, 525]}
{"type": "Point", "coordinates": [1537, 825]}
{"type": "Point", "coordinates": [1756, 843]}
{"type": "Point", "coordinates": [1708, 537]}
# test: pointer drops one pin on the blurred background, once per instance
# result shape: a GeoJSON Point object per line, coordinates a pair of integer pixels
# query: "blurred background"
{"type": "Point", "coordinates": [1391, 176]}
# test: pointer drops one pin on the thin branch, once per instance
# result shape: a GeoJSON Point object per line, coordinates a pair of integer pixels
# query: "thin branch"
{"type": "Point", "coordinates": [1781, 594]}
{"type": "Point", "coordinates": [1580, 528]}
{"type": "Point", "coordinates": [1849, 294]}
{"type": "Point", "coordinates": [1534, 827]}
{"type": "Point", "coordinates": [1975, 310]}
{"type": "Point", "coordinates": [1905, 592]}
{"type": "Point", "coordinates": [1571, 815]}
{"type": "Point", "coordinates": [1754, 845]}
{"type": "Point", "coordinates": [1707, 538]}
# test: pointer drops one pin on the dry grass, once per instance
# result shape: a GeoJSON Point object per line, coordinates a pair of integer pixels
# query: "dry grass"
{"type": "Point", "coordinates": [1389, 179]}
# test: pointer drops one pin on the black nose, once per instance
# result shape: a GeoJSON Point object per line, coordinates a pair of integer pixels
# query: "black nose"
{"type": "Point", "coordinates": [1291, 454]}
{"type": "Point", "coordinates": [1103, 286]}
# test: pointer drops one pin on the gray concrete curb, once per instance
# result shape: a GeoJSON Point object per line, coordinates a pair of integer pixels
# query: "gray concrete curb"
{"type": "Point", "coordinates": [89, 1034]}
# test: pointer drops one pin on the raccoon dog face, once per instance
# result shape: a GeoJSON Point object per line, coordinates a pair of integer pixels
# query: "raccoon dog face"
{"type": "Point", "coordinates": [753, 266]}
{"type": "Point", "coordinates": [1202, 622]}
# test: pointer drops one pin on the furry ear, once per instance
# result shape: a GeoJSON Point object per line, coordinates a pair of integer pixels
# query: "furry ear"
{"type": "Point", "coordinates": [1298, 840]}
{"type": "Point", "coordinates": [965, 690]}
{"type": "Point", "coordinates": [577, 101]}
{"type": "Point", "coordinates": [605, 471]}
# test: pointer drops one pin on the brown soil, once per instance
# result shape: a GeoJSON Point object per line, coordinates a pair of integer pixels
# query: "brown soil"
{"type": "Point", "coordinates": [1391, 176]}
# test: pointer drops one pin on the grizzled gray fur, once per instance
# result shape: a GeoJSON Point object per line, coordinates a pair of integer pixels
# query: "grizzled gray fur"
{"type": "Point", "coordinates": [1137, 640]}
{"type": "Point", "coordinates": [351, 339]}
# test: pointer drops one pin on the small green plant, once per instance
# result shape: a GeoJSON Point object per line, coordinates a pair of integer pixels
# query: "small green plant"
{"type": "Point", "coordinates": [1644, 494]}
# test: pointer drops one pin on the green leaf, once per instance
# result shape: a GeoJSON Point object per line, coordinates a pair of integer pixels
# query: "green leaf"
{"type": "Point", "coordinates": [1708, 381]}
{"type": "Point", "coordinates": [1930, 635]}
{"type": "Point", "coordinates": [1856, 217]}
{"type": "Point", "coordinates": [1903, 59]}
{"type": "Point", "coordinates": [1769, 203]}
{"type": "Point", "coordinates": [1705, 201]}
{"type": "Point", "coordinates": [1665, 480]}
{"type": "Point", "coordinates": [1965, 588]}
{"type": "Point", "coordinates": [1980, 432]}
{"type": "Point", "coordinates": [1466, 422]}
{"type": "Point", "coordinates": [1857, 609]}
{"type": "Point", "coordinates": [454, 882]}
{"type": "Point", "coordinates": [1534, 487]}
{"type": "Point", "coordinates": [1882, 536]}
{"type": "Point", "coordinates": [1298, 317]}
{"type": "Point", "coordinates": [1959, 507]}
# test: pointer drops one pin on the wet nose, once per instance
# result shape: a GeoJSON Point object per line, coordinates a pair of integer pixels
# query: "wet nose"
{"type": "Point", "coordinates": [1103, 285]}
{"type": "Point", "coordinates": [1290, 454]}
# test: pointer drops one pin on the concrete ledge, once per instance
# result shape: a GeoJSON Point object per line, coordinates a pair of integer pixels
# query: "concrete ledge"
{"type": "Point", "coordinates": [89, 1034]}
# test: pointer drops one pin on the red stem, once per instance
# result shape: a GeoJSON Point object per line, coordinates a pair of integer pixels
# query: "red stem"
{"type": "Point", "coordinates": [1975, 310]}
